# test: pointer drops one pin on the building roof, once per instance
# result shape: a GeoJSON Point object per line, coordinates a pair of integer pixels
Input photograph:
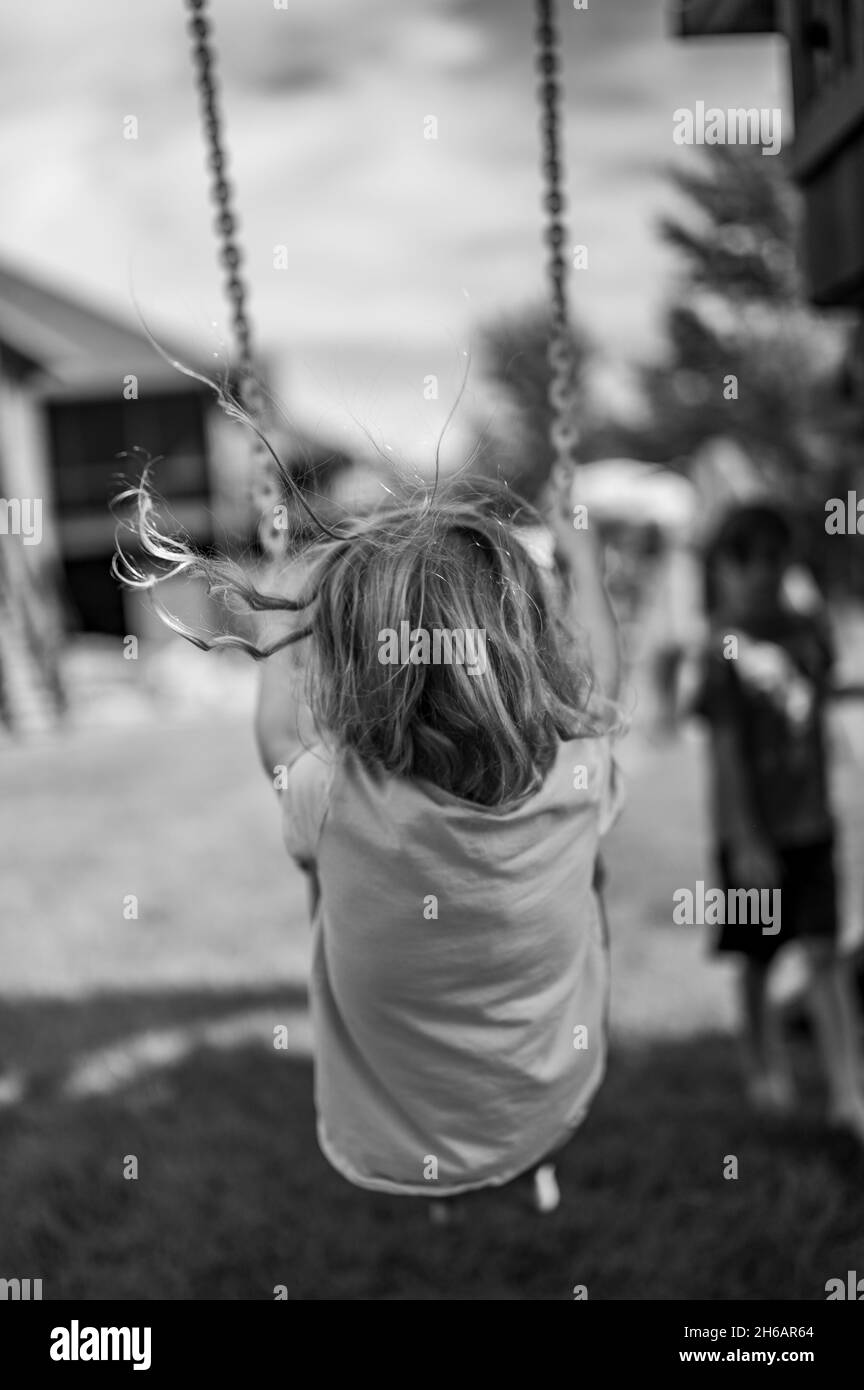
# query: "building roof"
{"type": "Point", "coordinates": [75, 345]}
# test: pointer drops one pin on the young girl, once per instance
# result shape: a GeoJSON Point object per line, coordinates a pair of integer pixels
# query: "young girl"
{"type": "Point", "coordinates": [446, 795]}
{"type": "Point", "coordinates": [764, 697]}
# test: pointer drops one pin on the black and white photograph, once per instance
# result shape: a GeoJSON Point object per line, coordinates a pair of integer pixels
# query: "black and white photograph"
{"type": "Point", "coordinates": [432, 669]}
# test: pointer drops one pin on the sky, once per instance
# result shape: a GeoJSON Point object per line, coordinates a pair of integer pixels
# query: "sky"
{"type": "Point", "coordinates": [397, 247]}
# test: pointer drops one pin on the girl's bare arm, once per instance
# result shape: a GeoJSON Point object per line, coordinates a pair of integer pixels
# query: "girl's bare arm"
{"type": "Point", "coordinates": [283, 722]}
{"type": "Point", "coordinates": [588, 606]}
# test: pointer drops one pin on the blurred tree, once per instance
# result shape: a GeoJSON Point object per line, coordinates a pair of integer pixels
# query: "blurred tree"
{"type": "Point", "coordinates": [515, 446]}
{"type": "Point", "coordinates": [747, 356]}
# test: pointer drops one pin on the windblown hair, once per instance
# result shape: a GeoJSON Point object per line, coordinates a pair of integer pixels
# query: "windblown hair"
{"type": "Point", "coordinates": [437, 564]}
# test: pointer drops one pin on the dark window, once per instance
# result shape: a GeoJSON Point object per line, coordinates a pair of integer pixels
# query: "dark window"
{"type": "Point", "coordinates": [86, 438]}
{"type": "Point", "coordinates": [93, 598]}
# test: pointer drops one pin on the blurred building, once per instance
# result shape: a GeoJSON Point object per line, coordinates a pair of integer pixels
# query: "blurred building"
{"type": "Point", "coordinates": [77, 388]}
{"type": "Point", "coordinates": [826, 52]}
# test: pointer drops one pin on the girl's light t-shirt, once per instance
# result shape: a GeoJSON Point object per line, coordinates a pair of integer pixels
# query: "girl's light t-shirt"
{"type": "Point", "coordinates": [460, 977]}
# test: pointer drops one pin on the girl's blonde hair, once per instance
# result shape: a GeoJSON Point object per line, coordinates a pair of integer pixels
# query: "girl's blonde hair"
{"type": "Point", "coordinates": [446, 563]}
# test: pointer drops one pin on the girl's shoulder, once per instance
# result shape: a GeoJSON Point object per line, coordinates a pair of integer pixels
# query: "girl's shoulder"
{"type": "Point", "coordinates": [587, 769]}
{"type": "Point", "coordinates": [305, 797]}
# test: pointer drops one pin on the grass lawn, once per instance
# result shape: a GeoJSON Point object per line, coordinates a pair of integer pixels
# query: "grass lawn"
{"type": "Point", "coordinates": [152, 1037]}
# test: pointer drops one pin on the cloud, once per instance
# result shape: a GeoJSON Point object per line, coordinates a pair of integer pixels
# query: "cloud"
{"type": "Point", "coordinates": [325, 105]}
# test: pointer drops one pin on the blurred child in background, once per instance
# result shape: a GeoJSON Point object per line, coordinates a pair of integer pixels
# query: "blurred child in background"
{"type": "Point", "coordinates": [763, 697]}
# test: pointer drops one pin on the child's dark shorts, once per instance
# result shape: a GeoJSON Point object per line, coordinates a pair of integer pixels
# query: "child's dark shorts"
{"type": "Point", "coordinates": [808, 902]}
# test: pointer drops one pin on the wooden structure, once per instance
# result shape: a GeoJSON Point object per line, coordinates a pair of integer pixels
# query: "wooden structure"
{"type": "Point", "coordinates": [826, 52]}
{"type": "Point", "coordinates": [77, 387]}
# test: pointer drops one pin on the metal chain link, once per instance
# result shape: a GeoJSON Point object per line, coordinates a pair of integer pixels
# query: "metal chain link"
{"type": "Point", "coordinates": [563, 432]}
{"type": "Point", "coordinates": [265, 487]}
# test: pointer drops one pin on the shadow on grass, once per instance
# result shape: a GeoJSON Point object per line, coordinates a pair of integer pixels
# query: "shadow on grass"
{"type": "Point", "coordinates": [233, 1197]}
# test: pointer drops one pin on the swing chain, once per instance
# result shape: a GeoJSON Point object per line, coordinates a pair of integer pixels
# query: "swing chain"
{"type": "Point", "coordinates": [266, 489]}
{"type": "Point", "coordinates": [563, 431]}
{"type": "Point", "coordinates": [562, 388]}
